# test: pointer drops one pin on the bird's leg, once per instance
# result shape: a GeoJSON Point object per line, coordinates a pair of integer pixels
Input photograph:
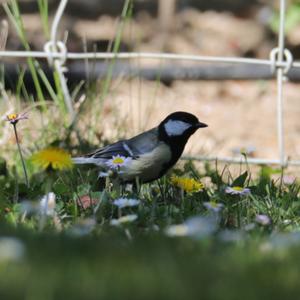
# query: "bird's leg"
{"type": "Point", "coordinates": [136, 186]}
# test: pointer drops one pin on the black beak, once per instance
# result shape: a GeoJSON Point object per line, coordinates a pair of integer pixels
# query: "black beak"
{"type": "Point", "coordinates": [200, 125]}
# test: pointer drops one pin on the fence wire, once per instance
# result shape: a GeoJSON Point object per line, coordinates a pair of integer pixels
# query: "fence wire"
{"type": "Point", "coordinates": [280, 62]}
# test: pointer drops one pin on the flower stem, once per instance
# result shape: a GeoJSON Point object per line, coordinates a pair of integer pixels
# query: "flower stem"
{"type": "Point", "coordinates": [128, 234]}
{"type": "Point", "coordinates": [239, 214]}
{"type": "Point", "coordinates": [21, 155]}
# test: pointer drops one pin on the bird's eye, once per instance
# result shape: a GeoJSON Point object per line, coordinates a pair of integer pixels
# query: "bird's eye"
{"type": "Point", "coordinates": [176, 127]}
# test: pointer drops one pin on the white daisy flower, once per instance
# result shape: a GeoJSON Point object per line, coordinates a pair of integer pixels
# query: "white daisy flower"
{"type": "Point", "coordinates": [237, 190]}
{"type": "Point", "coordinates": [248, 150]}
{"type": "Point", "coordinates": [123, 220]}
{"type": "Point", "coordinates": [263, 220]}
{"type": "Point", "coordinates": [47, 204]}
{"type": "Point", "coordinates": [83, 227]}
{"type": "Point", "coordinates": [249, 227]}
{"type": "Point", "coordinates": [118, 162]}
{"type": "Point", "coordinates": [197, 227]}
{"type": "Point", "coordinates": [124, 202]}
{"type": "Point", "coordinates": [213, 206]}
{"type": "Point", "coordinates": [177, 230]}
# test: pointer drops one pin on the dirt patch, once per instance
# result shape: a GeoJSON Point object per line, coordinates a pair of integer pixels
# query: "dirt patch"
{"type": "Point", "coordinates": [239, 114]}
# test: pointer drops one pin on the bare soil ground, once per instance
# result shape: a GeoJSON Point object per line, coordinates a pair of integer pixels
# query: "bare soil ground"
{"type": "Point", "coordinates": [239, 114]}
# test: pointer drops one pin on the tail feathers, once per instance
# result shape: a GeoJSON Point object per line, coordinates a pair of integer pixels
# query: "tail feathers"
{"type": "Point", "coordinates": [83, 160]}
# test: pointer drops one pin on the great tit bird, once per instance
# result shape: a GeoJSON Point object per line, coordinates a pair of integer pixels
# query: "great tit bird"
{"type": "Point", "coordinates": [149, 155]}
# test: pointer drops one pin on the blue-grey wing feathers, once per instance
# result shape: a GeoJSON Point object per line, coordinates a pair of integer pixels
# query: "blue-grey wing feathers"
{"type": "Point", "coordinates": [134, 147]}
{"type": "Point", "coordinates": [109, 151]}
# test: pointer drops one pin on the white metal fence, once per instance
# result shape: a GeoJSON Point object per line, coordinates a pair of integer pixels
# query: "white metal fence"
{"type": "Point", "coordinates": [280, 62]}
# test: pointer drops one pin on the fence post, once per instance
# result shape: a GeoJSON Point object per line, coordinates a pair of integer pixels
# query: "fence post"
{"type": "Point", "coordinates": [58, 62]}
{"type": "Point", "coordinates": [280, 78]}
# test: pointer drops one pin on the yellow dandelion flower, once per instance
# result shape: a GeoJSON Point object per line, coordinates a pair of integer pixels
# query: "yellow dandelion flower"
{"type": "Point", "coordinates": [189, 185]}
{"type": "Point", "coordinates": [53, 158]}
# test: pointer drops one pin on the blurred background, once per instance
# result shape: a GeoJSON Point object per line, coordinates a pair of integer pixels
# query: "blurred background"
{"type": "Point", "coordinates": [241, 113]}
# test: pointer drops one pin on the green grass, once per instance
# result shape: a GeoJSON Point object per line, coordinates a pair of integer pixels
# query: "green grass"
{"type": "Point", "coordinates": [56, 266]}
{"type": "Point", "coordinates": [139, 260]}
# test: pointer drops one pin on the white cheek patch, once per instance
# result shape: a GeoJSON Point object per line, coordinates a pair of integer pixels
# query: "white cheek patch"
{"type": "Point", "coordinates": [174, 128]}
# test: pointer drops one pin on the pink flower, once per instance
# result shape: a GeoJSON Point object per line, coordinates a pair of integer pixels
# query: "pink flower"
{"type": "Point", "coordinates": [86, 201]}
{"type": "Point", "coordinates": [289, 179]}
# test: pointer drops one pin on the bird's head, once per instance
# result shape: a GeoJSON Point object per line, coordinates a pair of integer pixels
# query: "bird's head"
{"type": "Point", "coordinates": [179, 126]}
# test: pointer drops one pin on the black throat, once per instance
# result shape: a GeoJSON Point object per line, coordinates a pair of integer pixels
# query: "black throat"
{"type": "Point", "coordinates": [176, 144]}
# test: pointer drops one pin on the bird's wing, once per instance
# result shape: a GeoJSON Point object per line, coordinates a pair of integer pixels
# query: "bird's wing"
{"type": "Point", "coordinates": [107, 152]}
{"type": "Point", "coordinates": [144, 142]}
{"type": "Point", "coordinates": [140, 144]}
